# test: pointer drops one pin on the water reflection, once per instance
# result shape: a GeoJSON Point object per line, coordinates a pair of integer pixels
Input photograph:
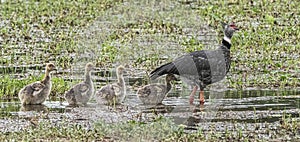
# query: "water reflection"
{"type": "Point", "coordinates": [156, 109]}
{"type": "Point", "coordinates": [250, 106]}
{"type": "Point", "coordinates": [37, 108]}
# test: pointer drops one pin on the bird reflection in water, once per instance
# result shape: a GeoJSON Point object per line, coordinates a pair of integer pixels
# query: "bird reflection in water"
{"type": "Point", "coordinates": [37, 108]}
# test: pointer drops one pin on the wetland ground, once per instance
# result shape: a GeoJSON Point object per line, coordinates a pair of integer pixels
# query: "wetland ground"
{"type": "Point", "coordinates": [258, 101]}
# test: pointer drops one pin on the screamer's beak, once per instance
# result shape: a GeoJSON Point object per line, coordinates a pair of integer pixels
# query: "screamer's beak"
{"type": "Point", "coordinates": [234, 27]}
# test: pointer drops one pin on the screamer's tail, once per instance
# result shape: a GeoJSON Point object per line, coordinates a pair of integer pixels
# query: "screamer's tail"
{"type": "Point", "coordinates": [164, 69]}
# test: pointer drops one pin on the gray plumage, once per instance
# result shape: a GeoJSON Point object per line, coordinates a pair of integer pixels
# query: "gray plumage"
{"type": "Point", "coordinates": [81, 92]}
{"type": "Point", "coordinates": [152, 94]}
{"type": "Point", "coordinates": [36, 93]}
{"type": "Point", "coordinates": [113, 93]}
{"type": "Point", "coordinates": [202, 67]}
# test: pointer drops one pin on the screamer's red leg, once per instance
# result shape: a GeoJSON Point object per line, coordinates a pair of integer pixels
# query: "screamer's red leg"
{"type": "Point", "coordinates": [201, 97]}
{"type": "Point", "coordinates": [193, 94]}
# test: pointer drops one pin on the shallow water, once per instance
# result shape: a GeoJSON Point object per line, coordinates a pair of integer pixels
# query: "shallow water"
{"type": "Point", "coordinates": [249, 107]}
{"type": "Point", "coordinates": [259, 113]}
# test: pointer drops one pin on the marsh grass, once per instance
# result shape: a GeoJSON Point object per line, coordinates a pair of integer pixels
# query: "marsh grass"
{"type": "Point", "coordinates": [10, 86]}
{"type": "Point", "coordinates": [160, 129]}
{"type": "Point", "coordinates": [33, 33]}
{"type": "Point", "coordinates": [265, 51]}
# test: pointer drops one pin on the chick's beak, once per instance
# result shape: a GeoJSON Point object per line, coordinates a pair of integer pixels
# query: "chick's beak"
{"type": "Point", "coordinates": [129, 70]}
{"type": "Point", "coordinates": [54, 68]}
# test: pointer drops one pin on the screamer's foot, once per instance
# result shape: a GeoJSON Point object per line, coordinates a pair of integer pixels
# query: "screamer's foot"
{"type": "Point", "coordinates": [202, 102]}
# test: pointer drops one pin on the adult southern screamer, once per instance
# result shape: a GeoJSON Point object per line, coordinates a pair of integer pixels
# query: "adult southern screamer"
{"type": "Point", "coordinates": [201, 68]}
